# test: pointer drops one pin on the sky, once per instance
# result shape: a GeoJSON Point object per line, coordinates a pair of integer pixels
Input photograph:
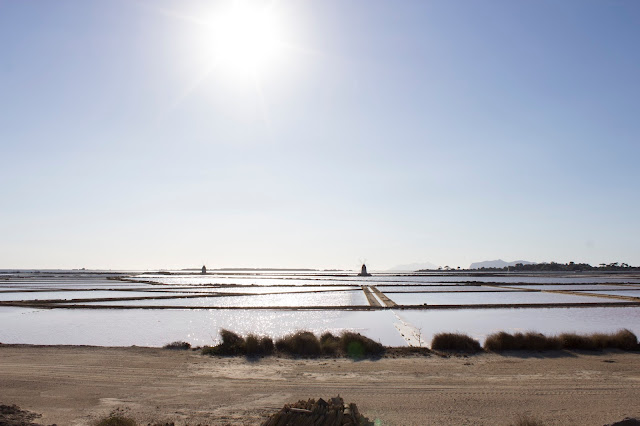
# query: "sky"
{"type": "Point", "coordinates": [318, 134]}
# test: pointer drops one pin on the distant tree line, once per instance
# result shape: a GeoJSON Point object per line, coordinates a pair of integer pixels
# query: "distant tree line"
{"type": "Point", "coordinates": [569, 267]}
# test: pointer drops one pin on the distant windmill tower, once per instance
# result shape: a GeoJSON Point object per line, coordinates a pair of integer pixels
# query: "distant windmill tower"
{"type": "Point", "coordinates": [363, 271]}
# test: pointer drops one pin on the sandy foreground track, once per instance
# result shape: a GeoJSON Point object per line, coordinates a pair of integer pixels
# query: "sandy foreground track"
{"type": "Point", "coordinates": [77, 385]}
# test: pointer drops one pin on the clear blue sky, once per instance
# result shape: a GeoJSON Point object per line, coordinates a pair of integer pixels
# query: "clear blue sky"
{"type": "Point", "coordinates": [396, 132]}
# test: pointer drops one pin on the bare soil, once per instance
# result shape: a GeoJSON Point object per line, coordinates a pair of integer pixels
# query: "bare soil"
{"type": "Point", "coordinates": [78, 385]}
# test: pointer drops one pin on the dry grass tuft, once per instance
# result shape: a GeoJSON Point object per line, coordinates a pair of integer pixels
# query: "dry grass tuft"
{"type": "Point", "coordinates": [301, 343]}
{"type": "Point", "coordinates": [455, 342]}
{"type": "Point", "coordinates": [255, 346]}
{"type": "Point", "coordinates": [499, 342]}
{"type": "Point", "coordinates": [232, 345]}
{"type": "Point", "coordinates": [355, 345]}
{"type": "Point", "coordinates": [330, 344]}
{"type": "Point", "coordinates": [178, 346]}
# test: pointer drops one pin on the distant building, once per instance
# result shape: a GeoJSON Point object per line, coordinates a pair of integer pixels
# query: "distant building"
{"type": "Point", "coordinates": [204, 269]}
{"type": "Point", "coordinates": [363, 271]}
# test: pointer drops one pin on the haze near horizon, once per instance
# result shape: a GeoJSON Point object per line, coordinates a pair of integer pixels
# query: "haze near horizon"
{"type": "Point", "coordinates": [139, 135]}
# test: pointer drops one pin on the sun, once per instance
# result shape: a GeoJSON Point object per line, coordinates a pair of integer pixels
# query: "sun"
{"type": "Point", "coordinates": [245, 38]}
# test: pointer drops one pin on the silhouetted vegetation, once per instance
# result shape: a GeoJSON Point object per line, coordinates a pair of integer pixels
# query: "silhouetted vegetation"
{"type": "Point", "coordinates": [301, 343]}
{"type": "Point", "coordinates": [232, 345]}
{"type": "Point", "coordinates": [180, 346]}
{"type": "Point", "coordinates": [455, 342]}
{"type": "Point", "coordinates": [256, 346]}
{"type": "Point", "coordinates": [565, 267]}
{"type": "Point", "coordinates": [330, 344]}
{"type": "Point", "coordinates": [355, 345]}
{"type": "Point", "coordinates": [500, 342]}
{"type": "Point", "coordinates": [623, 339]}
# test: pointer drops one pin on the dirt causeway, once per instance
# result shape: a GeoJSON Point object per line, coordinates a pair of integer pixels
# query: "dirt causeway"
{"type": "Point", "coordinates": [78, 385]}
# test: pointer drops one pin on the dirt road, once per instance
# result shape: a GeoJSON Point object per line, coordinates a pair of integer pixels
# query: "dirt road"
{"type": "Point", "coordinates": [77, 385]}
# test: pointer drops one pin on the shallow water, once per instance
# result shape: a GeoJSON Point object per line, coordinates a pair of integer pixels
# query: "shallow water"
{"type": "Point", "coordinates": [68, 295]}
{"type": "Point", "coordinates": [342, 298]}
{"type": "Point", "coordinates": [123, 327]}
{"type": "Point", "coordinates": [199, 327]}
{"type": "Point", "coordinates": [506, 297]}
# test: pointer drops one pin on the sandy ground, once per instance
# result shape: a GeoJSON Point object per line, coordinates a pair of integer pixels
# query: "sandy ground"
{"type": "Point", "coordinates": [77, 385]}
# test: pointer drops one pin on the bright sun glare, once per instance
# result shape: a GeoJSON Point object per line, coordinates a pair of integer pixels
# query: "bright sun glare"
{"type": "Point", "coordinates": [245, 38]}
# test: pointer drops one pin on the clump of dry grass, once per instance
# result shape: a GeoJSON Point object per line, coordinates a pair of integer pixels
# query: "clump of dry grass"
{"type": "Point", "coordinates": [355, 345]}
{"type": "Point", "coordinates": [502, 341]}
{"type": "Point", "coordinates": [255, 345]}
{"type": "Point", "coordinates": [330, 344]}
{"type": "Point", "coordinates": [179, 346]}
{"type": "Point", "coordinates": [233, 345]}
{"type": "Point", "coordinates": [301, 343]}
{"type": "Point", "coordinates": [455, 342]}
{"type": "Point", "coordinates": [622, 339]}
{"type": "Point", "coordinates": [530, 341]}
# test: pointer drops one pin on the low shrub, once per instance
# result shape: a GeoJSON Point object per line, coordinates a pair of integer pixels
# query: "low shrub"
{"type": "Point", "coordinates": [455, 342]}
{"type": "Point", "coordinates": [255, 346]}
{"type": "Point", "coordinates": [232, 344]}
{"type": "Point", "coordinates": [502, 341]}
{"type": "Point", "coordinates": [179, 346]}
{"type": "Point", "coordinates": [623, 339]}
{"type": "Point", "coordinates": [499, 342]}
{"type": "Point", "coordinates": [577, 342]}
{"type": "Point", "coordinates": [252, 345]}
{"type": "Point", "coordinates": [330, 344]}
{"type": "Point", "coordinates": [266, 343]}
{"type": "Point", "coordinates": [301, 343]}
{"type": "Point", "coordinates": [355, 345]}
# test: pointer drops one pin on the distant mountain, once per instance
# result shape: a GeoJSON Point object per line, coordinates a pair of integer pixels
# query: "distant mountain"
{"type": "Point", "coordinates": [498, 264]}
{"type": "Point", "coordinates": [410, 267]}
